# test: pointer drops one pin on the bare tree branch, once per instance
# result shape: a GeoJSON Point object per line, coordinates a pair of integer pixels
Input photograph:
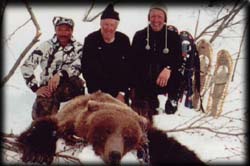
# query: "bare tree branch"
{"type": "Point", "coordinates": [226, 21]}
{"type": "Point", "coordinates": [87, 18]}
{"type": "Point", "coordinates": [241, 43]}
{"type": "Point", "coordinates": [220, 11]}
{"type": "Point", "coordinates": [196, 26]}
{"type": "Point", "coordinates": [35, 39]}
{"type": "Point", "coordinates": [69, 157]}
{"type": "Point", "coordinates": [206, 128]}
{"type": "Point", "coordinates": [237, 22]}
{"type": "Point", "coordinates": [206, 122]}
{"type": "Point", "coordinates": [210, 26]}
{"type": "Point", "coordinates": [14, 32]}
{"type": "Point", "coordinates": [92, 18]}
{"type": "Point", "coordinates": [3, 6]}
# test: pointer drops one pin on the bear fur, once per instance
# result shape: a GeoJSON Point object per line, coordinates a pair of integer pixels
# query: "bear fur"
{"type": "Point", "coordinates": [165, 150]}
{"type": "Point", "coordinates": [110, 126]}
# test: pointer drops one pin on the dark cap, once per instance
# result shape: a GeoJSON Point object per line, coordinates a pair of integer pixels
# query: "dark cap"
{"type": "Point", "coordinates": [57, 20]}
{"type": "Point", "coordinates": [109, 12]}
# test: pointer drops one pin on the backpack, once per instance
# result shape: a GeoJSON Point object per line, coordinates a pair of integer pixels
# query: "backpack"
{"type": "Point", "coordinates": [190, 67]}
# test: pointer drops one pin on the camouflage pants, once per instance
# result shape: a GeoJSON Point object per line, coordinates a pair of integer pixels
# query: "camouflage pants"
{"type": "Point", "coordinates": [66, 90]}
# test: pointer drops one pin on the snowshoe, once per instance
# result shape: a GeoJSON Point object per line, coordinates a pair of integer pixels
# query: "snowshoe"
{"type": "Point", "coordinates": [219, 83]}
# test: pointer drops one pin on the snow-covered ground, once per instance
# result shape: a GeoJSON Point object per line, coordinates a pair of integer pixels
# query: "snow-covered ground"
{"type": "Point", "coordinates": [18, 99]}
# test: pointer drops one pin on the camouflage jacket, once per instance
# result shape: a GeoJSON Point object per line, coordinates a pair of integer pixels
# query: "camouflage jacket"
{"type": "Point", "coordinates": [52, 59]}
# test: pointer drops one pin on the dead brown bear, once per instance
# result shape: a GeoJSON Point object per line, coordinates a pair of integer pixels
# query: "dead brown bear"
{"type": "Point", "coordinates": [109, 125]}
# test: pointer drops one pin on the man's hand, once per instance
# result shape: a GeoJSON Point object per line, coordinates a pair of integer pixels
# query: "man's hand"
{"type": "Point", "coordinates": [163, 77]}
{"type": "Point", "coordinates": [120, 97]}
{"type": "Point", "coordinates": [54, 82]}
{"type": "Point", "coordinates": [44, 91]}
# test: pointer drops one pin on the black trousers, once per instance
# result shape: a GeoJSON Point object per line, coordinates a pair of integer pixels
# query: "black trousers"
{"type": "Point", "coordinates": [145, 99]}
{"type": "Point", "coordinates": [148, 90]}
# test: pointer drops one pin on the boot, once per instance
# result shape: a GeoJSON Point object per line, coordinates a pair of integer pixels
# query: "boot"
{"type": "Point", "coordinates": [171, 106]}
{"type": "Point", "coordinates": [188, 102]}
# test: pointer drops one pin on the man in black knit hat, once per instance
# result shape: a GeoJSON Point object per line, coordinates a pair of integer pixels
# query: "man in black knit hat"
{"type": "Point", "coordinates": [157, 58]}
{"type": "Point", "coordinates": [105, 57]}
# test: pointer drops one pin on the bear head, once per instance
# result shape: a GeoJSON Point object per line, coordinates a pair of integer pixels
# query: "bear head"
{"type": "Point", "coordinates": [112, 129]}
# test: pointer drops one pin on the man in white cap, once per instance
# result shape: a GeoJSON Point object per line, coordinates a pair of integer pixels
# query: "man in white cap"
{"type": "Point", "coordinates": [157, 58]}
{"type": "Point", "coordinates": [60, 62]}
{"type": "Point", "coordinates": [105, 57]}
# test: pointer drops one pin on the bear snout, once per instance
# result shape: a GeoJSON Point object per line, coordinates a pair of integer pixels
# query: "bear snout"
{"type": "Point", "coordinates": [114, 149]}
{"type": "Point", "coordinates": [115, 157]}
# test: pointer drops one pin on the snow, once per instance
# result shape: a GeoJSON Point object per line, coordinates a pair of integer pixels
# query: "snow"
{"type": "Point", "coordinates": [18, 99]}
{"type": "Point", "coordinates": [87, 156]}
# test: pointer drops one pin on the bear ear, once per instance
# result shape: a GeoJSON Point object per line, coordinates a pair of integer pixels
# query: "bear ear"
{"type": "Point", "coordinates": [93, 105]}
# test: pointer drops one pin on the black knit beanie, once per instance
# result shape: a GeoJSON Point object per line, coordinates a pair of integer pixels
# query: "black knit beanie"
{"type": "Point", "coordinates": [109, 12]}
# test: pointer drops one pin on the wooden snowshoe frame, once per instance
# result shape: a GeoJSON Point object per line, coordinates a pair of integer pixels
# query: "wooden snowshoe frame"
{"type": "Point", "coordinates": [219, 83]}
{"type": "Point", "coordinates": [205, 51]}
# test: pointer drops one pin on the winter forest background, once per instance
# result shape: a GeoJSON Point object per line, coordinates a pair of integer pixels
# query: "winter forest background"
{"type": "Point", "coordinates": [215, 140]}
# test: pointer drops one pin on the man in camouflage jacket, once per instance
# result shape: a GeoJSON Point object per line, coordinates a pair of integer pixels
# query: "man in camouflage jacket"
{"type": "Point", "coordinates": [59, 59]}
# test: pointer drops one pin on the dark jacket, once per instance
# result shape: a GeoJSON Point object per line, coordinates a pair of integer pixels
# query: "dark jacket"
{"type": "Point", "coordinates": [149, 63]}
{"type": "Point", "coordinates": [105, 66]}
